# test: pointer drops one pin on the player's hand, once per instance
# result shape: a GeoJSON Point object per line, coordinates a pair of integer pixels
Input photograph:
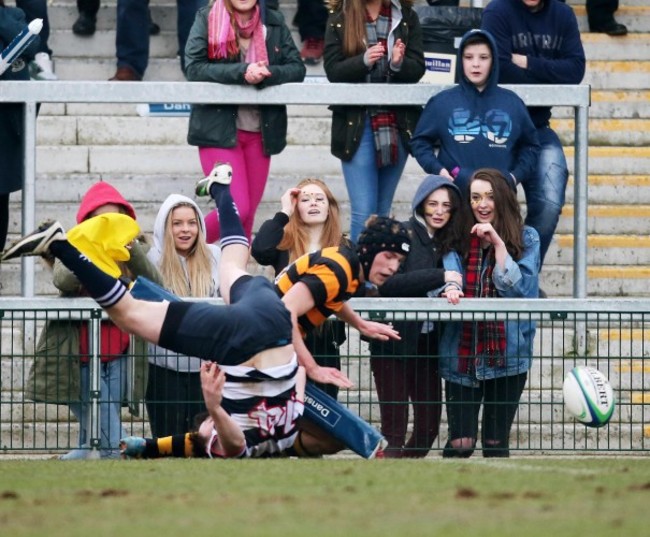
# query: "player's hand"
{"type": "Point", "coordinates": [329, 375]}
{"type": "Point", "coordinates": [380, 331]}
{"type": "Point", "coordinates": [212, 383]}
{"type": "Point", "coordinates": [132, 447]}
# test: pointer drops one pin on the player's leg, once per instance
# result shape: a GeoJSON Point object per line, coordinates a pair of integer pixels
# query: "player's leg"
{"type": "Point", "coordinates": [234, 244]}
{"type": "Point", "coordinates": [144, 319]}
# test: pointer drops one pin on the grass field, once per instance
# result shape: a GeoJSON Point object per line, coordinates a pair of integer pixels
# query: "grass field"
{"type": "Point", "coordinates": [523, 496]}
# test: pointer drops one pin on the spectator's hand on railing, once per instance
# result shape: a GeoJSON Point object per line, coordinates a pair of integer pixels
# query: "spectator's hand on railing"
{"type": "Point", "coordinates": [453, 294]}
{"type": "Point", "coordinates": [256, 72]}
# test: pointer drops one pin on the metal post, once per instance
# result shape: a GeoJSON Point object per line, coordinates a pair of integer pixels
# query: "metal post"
{"type": "Point", "coordinates": [29, 193]}
{"type": "Point", "coordinates": [580, 202]}
{"type": "Point", "coordinates": [95, 390]}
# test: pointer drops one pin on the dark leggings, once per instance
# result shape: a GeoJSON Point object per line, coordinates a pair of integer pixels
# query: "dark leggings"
{"type": "Point", "coordinates": [403, 381]}
{"type": "Point", "coordinates": [500, 400]}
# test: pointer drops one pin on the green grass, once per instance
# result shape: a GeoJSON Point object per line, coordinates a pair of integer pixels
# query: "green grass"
{"type": "Point", "coordinates": [524, 497]}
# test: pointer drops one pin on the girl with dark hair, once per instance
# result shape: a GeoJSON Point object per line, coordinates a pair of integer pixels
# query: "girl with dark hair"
{"type": "Point", "coordinates": [406, 371]}
{"type": "Point", "coordinates": [486, 363]}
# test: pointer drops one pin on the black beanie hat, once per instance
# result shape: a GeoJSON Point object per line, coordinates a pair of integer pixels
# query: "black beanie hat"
{"type": "Point", "coordinates": [381, 234]}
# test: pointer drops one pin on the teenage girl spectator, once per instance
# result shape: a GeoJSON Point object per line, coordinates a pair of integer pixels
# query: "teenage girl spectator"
{"type": "Point", "coordinates": [189, 268]}
{"type": "Point", "coordinates": [407, 370]}
{"type": "Point", "coordinates": [61, 370]}
{"type": "Point", "coordinates": [486, 363]}
{"type": "Point", "coordinates": [241, 43]}
{"type": "Point", "coordinates": [309, 221]}
{"type": "Point", "coordinates": [372, 41]}
{"type": "Point", "coordinates": [12, 21]}
{"type": "Point", "coordinates": [476, 123]}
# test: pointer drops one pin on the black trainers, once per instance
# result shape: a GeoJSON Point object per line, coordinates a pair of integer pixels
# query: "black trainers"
{"type": "Point", "coordinates": [220, 174]}
{"type": "Point", "coordinates": [36, 243]}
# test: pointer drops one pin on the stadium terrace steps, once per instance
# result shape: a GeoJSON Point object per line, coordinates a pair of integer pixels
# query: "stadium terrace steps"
{"type": "Point", "coordinates": [82, 143]}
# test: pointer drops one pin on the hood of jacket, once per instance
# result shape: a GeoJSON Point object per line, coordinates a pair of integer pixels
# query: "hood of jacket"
{"type": "Point", "coordinates": [101, 194]}
{"type": "Point", "coordinates": [428, 185]}
{"type": "Point", "coordinates": [172, 201]}
{"type": "Point", "coordinates": [493, 79]}
{"type": "Point", "coordinates": [337, 5]}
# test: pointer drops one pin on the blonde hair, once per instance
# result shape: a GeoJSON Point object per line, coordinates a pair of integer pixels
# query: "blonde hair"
{"type": "Point", "coordinates": [296, 236]}
{"type": "Point", "coordinates": [197, 282]}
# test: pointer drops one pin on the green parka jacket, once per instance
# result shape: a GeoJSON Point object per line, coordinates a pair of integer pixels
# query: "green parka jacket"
{"type": "Point", "coordinates": [214, 125]}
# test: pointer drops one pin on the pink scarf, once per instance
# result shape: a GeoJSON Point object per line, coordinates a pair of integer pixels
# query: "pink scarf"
{"type": "Point", "coordinates": [222, 39]}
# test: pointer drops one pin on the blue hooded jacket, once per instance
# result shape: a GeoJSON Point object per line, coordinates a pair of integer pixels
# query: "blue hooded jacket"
{"type": "Point", "coordinates": [476, 129]}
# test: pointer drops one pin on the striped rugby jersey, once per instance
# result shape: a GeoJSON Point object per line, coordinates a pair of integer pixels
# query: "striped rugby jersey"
{"type": "Point", "coordinates": [332, 276]}
{"type": "Point", "coordinates": [264, 405]}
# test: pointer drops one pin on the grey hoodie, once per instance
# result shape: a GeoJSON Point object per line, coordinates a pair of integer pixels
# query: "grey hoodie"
{"type": "Point", "coordinates": [157, 355]}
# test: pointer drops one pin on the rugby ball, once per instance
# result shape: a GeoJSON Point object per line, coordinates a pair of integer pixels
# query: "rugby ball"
{"type": "Point", "coordinates": [588, 396]}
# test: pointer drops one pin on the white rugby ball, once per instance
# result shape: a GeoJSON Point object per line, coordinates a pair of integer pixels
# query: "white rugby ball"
{"type": "Point", "coordinates": [588, 396]}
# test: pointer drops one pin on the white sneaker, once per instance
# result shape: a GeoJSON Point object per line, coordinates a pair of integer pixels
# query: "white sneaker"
{"type": "Point", "coordinates": [41, 67]}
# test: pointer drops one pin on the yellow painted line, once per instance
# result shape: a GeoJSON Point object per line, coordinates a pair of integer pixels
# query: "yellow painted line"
{"type": "Point", "coordinates": [633, 125]}
{"type": "Point", "coordinates": [632, 11]}
{"type": "Point", "coordinates": [627, 96]}
{"type": "Point", "coordinates": [612, 211]}
{"type": "Point", "coordinates": [641, 398]}
{"type": "Point", "coordinates": [607, 241]}
{"type": "Point", "coordinates": [646, 431]}
{"type": "Point", "coordinates": [631, 38]}
{"type": "Point", "coordinates": [618, 66]}
{"type": "Point", "coordinates": [612, 151]}
{"type": "Point", "coordinates": [635, 272]}
{"type": "Point", "coordinates": [617, 180]}
{"type": "Point", "coordinates": [616, 334]}
{"type": "Point", "coordinates": [636, 366]}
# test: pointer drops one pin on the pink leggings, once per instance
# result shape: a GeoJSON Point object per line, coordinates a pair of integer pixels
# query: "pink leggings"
{"type": "Point", "coordinates": [250, 168]}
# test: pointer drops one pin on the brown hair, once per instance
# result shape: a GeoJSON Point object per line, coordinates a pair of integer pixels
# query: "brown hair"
{"type": "Point", "coordinates": [354, 30]}
{"type": "Point", "coordinates": [508, 222]}
{"type": "Point", "coordinates": [296, 238]}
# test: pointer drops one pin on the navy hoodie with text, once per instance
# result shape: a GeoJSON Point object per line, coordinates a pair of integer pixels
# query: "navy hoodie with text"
{"type": "Point", "coordinates": [476, 129]}
{"type": "Point", "coordinates": [549, 38]}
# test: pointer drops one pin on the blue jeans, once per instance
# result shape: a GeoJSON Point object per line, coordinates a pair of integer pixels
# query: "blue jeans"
{"type": "Point", "coordinates": [112, 385]}
{"type": "Point", "coordinates": [132, 37]}
{"type": "Point", "coordinates": [37, 9]}
{"type": "Point", "coordinates": [370, 189]}
{"type": "Point", "coordinates": [545, 192]}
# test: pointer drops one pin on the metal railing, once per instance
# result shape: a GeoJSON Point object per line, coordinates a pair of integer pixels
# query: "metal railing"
{"type": "Point", "coordinates": [308, 93]}
{"type": "Point", "coordinates": [609, 334]}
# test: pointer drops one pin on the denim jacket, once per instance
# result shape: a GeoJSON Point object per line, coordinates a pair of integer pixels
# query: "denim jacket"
{"type": "Point", "coordinates": [519, 279]}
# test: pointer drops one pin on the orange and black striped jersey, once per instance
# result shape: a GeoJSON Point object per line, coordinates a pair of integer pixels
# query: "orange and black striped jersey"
{"type": "Point", "coordinates": [332, 276]}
